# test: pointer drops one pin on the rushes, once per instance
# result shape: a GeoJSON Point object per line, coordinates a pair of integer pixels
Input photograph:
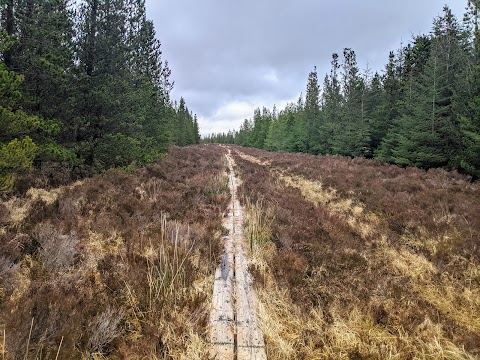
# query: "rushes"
{"type": "Point", "coordinates": [217, 184]}
{"type": "Point", "coordinates": [167, 269]}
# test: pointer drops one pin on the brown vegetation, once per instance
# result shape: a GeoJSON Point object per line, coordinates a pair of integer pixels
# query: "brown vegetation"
{"type": "Point", "coordinates": [116, 266]}
{"type": "Point", "coordinates": [366, 260]}
{"type": "Point", "coordinates": [352, 259]}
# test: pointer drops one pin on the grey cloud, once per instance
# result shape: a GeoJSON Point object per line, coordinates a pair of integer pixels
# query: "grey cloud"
{"type": "Point", "coordinates": [261, 51]}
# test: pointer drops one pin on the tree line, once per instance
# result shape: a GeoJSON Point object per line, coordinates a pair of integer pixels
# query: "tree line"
{"type": "Point", "coordinates": [83, 83]}
{"type": "Point", "coordinates": [423, 110]}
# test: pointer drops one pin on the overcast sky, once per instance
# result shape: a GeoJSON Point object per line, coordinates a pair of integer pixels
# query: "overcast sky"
{"type": "Point", "coordinates": [229, 57]}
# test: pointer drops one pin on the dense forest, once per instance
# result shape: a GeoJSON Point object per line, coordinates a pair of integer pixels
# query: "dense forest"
{"type": "Point", "coordinates": [423, 110]}
{"type": "Point", "coordinates": [83, 85]}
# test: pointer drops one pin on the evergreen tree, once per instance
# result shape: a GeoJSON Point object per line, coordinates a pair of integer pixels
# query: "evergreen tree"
{"type": "Point", "coordinates": [470, 121]}
{"type": "Point", "coordinates": [423, 111]}
{"type": "Point", "coordinates": [18, 130]}
{"type": "Point", "coordinates": [375, 111]}
{"type": "Point", "coordinates": [332, 102]}
{"type": "Point", "coordinates": [196, 130]}
{"type": "Point", "coordinates": [429, 133]}
{"type": "Point", "coordinates": [354, 138]}
{"type": "Point", "coordinates": [312, 112]}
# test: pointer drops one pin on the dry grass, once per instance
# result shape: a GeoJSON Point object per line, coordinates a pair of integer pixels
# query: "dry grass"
{"type": "Point", "coordinates": [291, 333]}
{"type": "Point", "coordinates": [313, 191]}
{"type": "Point", "coordinates": [48, 197]}
{"type": "Point", "coordinates": [117, 266]}
{"type": "Point", "coordinates": [253, 159]}
{"type": "Point", "coordinates": [258, 225]}
{"type": "Point", "coordinates": [19, 207]}
{"type": "Point", "coordinates": [459, 303]}
{"type": "Point", "coordinates": [352, 276]}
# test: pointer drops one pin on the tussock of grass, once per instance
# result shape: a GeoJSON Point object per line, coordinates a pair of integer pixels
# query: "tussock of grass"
{"type": "Point", "coordinates": [403, 262]}
{"type": "Point", "coordinates": [258, 224]}
{"type": "Point", "coordinates": [100, 244]}
{"type": "Point", "coordinates": [21, 281]}
{"type": "Point", "coordinates": [313, 191]}
{"type": "Point", "coordinates": [460, 304]}
{"type": "Point", "coordinates": [17, 210]}
{"type": "Point", "coordinates": [48, 197]}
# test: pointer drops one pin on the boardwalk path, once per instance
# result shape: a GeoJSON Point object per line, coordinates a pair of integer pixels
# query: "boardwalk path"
{"type": "Point", "coordinates": [235, 330]}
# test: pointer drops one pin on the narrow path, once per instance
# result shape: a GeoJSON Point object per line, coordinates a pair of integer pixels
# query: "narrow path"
{"type": "Point", "coordinates": [235, 330]}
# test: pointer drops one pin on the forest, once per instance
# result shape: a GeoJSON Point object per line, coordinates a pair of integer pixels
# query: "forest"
{"type": "Point", "coordinates": [422, 110]}
{"type": "Point", "coordinates": [83, 88]}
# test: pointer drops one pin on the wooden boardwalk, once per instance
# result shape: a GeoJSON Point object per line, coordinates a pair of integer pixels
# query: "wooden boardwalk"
{"type": "Point", "coordinates": [234, 327]}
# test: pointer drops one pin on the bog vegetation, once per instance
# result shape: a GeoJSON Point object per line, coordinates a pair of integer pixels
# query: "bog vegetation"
{"type": "Point", "coordinates": [423, 110]}
{"type": "Point", "coordinates": [351, 259]}
{"type": "Point", "coordinates": [358, 260]}
{"type": "Point", "coordinates": [116, 266]}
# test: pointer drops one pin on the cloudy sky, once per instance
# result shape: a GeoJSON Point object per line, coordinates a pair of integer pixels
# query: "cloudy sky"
{"type": "Point", "coordinates": [229, 57]}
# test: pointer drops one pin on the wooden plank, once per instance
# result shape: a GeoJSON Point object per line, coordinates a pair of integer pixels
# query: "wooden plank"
{"type": "Point", "coordinates": [222, 324]}
{"type": "Point", "coordinates": [233, 317]}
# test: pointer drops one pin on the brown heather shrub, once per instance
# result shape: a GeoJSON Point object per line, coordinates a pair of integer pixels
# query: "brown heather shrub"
{"type": "Point", "coordinates": [105, 328]}
{"type": "Point", "coordinates": [4, 214]}
{"type": "Point", "coordinates": [386, 267]}
{"type": "Point", "coordinates": [57, 252]}
{"type": "Point", "coordinates": [7, 272]}
{"type": "Point", "coordinates": [116, 266]}
{"type": "Point", "coordinates": [50, 175]}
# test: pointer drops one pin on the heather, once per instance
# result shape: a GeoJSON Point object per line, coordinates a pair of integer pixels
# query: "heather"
{"type": "Point", "coordinates": [115, 266]}
{"type": "Point", "coordinates": [364, 260]}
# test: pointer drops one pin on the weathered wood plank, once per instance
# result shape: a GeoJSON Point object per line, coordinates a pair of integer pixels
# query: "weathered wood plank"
{"type": "Point", "coordinates": [233, 317]}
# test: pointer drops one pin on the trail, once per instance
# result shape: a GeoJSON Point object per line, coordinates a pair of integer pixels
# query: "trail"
{"type": "Point", "coordinates": [235, 330]}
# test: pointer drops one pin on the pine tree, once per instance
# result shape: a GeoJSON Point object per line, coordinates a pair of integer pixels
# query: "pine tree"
{"type": "Point", "coordinates": [470, 122]}
{"type": "Point", "coordinates": [312, 112]}
{"type": "Point", "coordinates": [428, 134]}
{"type": "Point", "coordinates": [354, 138]}
{"type": "Point", "coordinates": [332, 102]}
{"type": "Point", "coordinates": [42, 52]}
{"type": "Point", "coordinates": [18, 130]}
{"type": "Point", "coordinates": [196, 130]}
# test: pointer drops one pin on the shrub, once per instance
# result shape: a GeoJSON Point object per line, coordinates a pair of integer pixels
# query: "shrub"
{"type": "Point", "coordinates": [15, 157]}
{"type": "Point", "coordinates": [57, 252]}
{"type": "Point", "coordinates": [105, 328]}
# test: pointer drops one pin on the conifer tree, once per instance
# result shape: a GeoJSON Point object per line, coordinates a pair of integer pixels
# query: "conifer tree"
{"type": "Point", "coordinates": [428, 134]}
{"type": "Point", "coordinates": [312, 112]}
{"type": "Point", "coordinates": [470, 122]}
